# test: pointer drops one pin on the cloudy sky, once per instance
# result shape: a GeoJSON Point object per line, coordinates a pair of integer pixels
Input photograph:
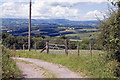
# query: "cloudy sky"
{"type": "Point", "coordinates": [55, 9]}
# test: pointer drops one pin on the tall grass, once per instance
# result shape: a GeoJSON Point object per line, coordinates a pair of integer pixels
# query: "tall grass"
{"type": "Point", "coordinates": [96, 66]}
{"type": "Point", "coordinates": [9, 68]}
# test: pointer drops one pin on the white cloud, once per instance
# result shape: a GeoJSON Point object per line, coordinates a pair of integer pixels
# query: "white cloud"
{"type": "Point", "coordinates": [94, 15]}
{"type": "Point", "coordinates": [74, 1]}
{"type": "Point", "coordinates": [14, 10]}
{"type": "Point", "coordinates": [69, 1]}
{"type": "Point", "coordinates": [39, 10]}
{"type": "Point", "coordinates": [43, 9]}
{"type": "Point", "coordinates": [46, 10]}
{"type": "Point", "coordinates": [63, 12]}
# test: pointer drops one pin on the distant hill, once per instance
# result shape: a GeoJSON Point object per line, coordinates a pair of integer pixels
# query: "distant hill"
{"type": "Point", "coordinates": [60, 21]}
{"type": "Point", "coordinates": [63, 22]}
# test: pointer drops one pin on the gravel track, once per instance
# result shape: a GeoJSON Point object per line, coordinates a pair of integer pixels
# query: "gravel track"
{"type": "Point", "coordinates": [58, 70]}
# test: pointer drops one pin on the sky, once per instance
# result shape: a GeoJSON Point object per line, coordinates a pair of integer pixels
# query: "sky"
{"type": "Point", "coordinates": [77, 10]}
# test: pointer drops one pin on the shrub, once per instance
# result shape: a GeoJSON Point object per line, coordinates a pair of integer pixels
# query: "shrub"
{"type": "Point", "coordinates": [9, 68]}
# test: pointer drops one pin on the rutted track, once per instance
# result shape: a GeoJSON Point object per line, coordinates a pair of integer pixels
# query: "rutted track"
{"type": "Point", "coordinates": [58, 70]}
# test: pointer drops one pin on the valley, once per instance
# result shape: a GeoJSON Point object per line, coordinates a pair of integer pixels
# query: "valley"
{"type": "Point", "coordinates": [52, 28]}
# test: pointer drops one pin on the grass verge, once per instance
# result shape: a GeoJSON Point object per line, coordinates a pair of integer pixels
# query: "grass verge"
{"type": "Point", "coordinates": [9, 68]}
{"type": "Point", "coordinates": [94, 67]}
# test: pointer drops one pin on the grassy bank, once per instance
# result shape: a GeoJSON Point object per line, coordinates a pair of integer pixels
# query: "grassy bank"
{"type": "Point", "coordinates": [9, 68]}
{"type": "Point", "coordinates": [95, 66]}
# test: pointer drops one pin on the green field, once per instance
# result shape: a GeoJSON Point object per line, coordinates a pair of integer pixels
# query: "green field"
{"type": "Point", "coordinates": [75, 40]}
{"type": "Point", "coordinates": [84, 36]}
{"type": "Point", "coordinates": [89, 29]}
{"type": "Point", "coordinates": [96, 66]}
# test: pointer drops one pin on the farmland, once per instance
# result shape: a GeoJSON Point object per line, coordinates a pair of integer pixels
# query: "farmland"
{"type": "Point", "coordinates": [61, 39]}
{"type": "Point", "coordinates": [51, 28]}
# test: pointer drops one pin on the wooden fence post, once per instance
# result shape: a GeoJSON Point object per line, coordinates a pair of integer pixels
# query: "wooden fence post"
{"type": "Point", "coordinates": [66, 46]}
{"type": "Point", "coordinates": [35, 46]}
{"type": "Point", "coordinates": [14, 47]}
{"type": "Point", "coordinates": [42, 49]}
{"type": "Point", "coordinates": [90, 49]}
{"type": "Point", "coordinates": [78, 48]}
{"type": "Point", "coordinates": [23, 47]}
{"type": "Point", "coordinates": [47, 47]}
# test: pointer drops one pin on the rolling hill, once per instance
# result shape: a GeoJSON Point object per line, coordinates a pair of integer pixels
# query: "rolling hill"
{"type": "Point", "coordinates": [48, 27]}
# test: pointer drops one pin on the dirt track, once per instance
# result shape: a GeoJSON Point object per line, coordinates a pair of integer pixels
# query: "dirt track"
{"type": "Point", "coordinates": [59, 71]}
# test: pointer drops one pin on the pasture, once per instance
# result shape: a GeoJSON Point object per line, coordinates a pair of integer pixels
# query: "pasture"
{"type": "Point", "coordinates": [80, 34]}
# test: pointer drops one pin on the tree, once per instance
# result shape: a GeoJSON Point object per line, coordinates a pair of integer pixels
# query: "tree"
{"type": "Point", "coordinates": [8, 40]}
{"type": "Point", "coordinates": [63, 37]}
{"type": "Point", "coordinates": [5, 35]}
{"type": "Point", "coordinates": [110, 33]}
{"type": "Point", "coordinates": [114, 2]}
{"type": "Point", "coordinates": [37, 36]}
{"type": "Point", "coordinates": [72, 45]}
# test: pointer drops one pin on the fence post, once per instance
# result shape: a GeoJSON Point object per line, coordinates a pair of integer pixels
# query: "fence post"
{"type": "Point", "coordinates": [66, 46]}
{"type": "Point", "coordinates": [35, 46]}
{"type": "Point", "coordinates": [90, 49]}
{"type": "Point", "coordinates": [23, 47]}
{"type": "Point", "coordinates": [78, 48]}
{"type": "Point", "coordinates": [14, 47]}
{"type": "Point", "coordinates": [47, 47]}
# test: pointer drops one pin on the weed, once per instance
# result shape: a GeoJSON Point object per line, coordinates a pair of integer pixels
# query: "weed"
{"type": "Point", "coordinates": [9, 68]}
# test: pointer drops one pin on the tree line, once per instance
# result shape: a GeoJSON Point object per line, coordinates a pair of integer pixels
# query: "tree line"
{"type": "Point", "coordinates": [13, 42]}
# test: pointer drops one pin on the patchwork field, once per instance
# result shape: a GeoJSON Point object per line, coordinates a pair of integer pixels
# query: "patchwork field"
{"type": "Point", "coordinates": [51, 28]}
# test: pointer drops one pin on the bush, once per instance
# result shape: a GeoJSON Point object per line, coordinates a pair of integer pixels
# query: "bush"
{"type": "Point", "coordinates": [85, 45]}
{"type": "Point", "coordinates": [110, 34]}
{"type": "Point", "coordinates": [9, 68]}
